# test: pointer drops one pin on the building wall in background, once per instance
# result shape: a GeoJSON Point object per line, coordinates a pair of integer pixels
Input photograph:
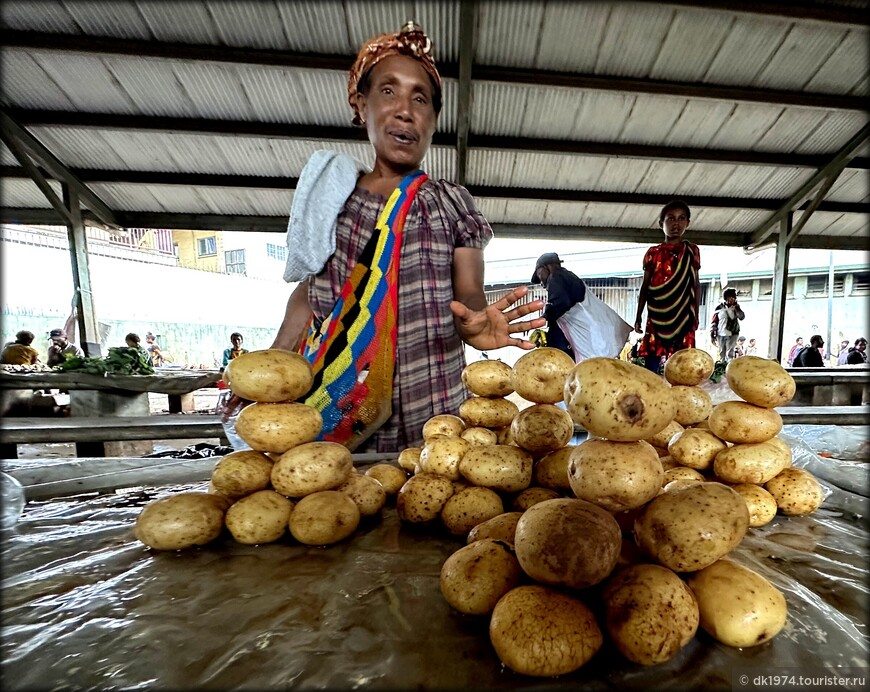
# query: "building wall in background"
{"type": "Point", "coordinates": [200, 250]}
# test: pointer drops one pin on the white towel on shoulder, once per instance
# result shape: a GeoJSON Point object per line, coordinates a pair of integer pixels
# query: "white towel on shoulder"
{"type": "Point", "coordinates": [326, 181]}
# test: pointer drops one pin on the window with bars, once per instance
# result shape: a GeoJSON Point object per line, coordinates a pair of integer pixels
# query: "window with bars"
{"type": "Point", "coordinates": [817, 285]}
{"type": "Point", "coordinates": [278, 252]}
{"type": "Point", "coordinates": [206, 247]}
{"type": "Point", "coordinates": [743, 288]}
{"type": "Point", "coordinates": [860, 284]}
{"type": "Point", "coordinates": [235, 261]}
{"type": "Point", "coordinates": [765, 287]}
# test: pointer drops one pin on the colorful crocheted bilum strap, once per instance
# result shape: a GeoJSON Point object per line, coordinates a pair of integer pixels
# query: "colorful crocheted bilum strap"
{"type": "Point", "coordinates": [671, 305]}
{"type": "Point", "coordinates": [353, 352]}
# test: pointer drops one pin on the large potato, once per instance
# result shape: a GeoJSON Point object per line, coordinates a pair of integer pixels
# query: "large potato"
{"type": "Point", "coordinates": [488, 378]}
{"type": "Point", "coordinates": [650, 613]}
{"type": "Point", "coordinates": [486, 412]}
{"type": "Point", "coordinates": [311, 468]}
{"type": "Point", "coordinates": [476, 576]}
{"type": "Point", "coordinates": [259, 518]}
{"type": "Point", "coordinates": [442, 455]}
{"type": "Point", "coordinates": [689, 367]}
{"type": "Point", "coordinates": [692, 404]}
{"type": "Point", "coordinates": [617, 400]}
{"type": "Point", "coordinates": [542, 428]}
{"type": "Point", "coordinates": [323, 518]}
{"type": "Point", "coordinates": [242, 473]}
{"type": "Point", "coordinates": [551, 471]}
{"type": "Point", "coordinates": [781, 444]}
{"type": "Point", "coordinates": [270, 375]}
{"type": "Point", "coordinates": [467, 508]}
{"type": "Point", "coordinates": [539, 631]}
{"type": "Point", "coordinates": [739, 422]}
{"type": "Point", "coordinates": [750, 463]}
{"type": "Point", "coordinates": [278, 427]}
{"type": "Point", "coordinates": [443, 424]}
{"type": "Point", "coordinates": [738, 607]}
{"type": "Point", "coordinates": [761, 504]}
{"type": "Point", "coordinates": [501, 528]}
{"type": "Point", "coordinates": [689, 529]}
{"type": "Point", "coordinates": [504, 468]}
{"type": "Point", "coordinates": [423, 497]}
{"type": "Point", "coordinates": [539, 375]}
{"type": "Point", "coordinates": [568, 542]}
{"type": "Point", "coordinates": [367, 492]}
{"type": "Point", "coordinates": [181, 520]}
{"type": "Point", "coordinates": [695, 448]}
{"type": "Point", "coordinates": [615, 475]}
{"type": "Point", "coordinates": [760, 381]}
{"type": "Point", "coordinates": [796, 491]}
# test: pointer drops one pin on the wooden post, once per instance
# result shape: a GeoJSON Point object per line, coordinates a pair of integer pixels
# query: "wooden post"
{"type": "Point", "coordinates": [780, 286]}
{"type": "Point", "coordinates": [89, 331]}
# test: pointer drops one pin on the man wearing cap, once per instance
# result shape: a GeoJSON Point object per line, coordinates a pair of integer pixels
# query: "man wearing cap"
{"type": "Point", "coordinates": [60, 347]}
{"type": "Point", "coordinates": [564, 290]}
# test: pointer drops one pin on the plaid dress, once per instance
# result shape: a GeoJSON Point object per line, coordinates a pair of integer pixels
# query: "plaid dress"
{"type": "Point", "coordinates": [430, 355]}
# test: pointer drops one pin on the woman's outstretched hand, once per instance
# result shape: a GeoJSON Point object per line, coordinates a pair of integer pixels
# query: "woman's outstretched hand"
{"type": "Point", "coordinates": [495, 326]}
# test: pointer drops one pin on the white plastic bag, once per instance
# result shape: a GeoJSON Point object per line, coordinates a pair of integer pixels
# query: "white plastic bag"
{"type": "Point", "coordinates": [594, 329]}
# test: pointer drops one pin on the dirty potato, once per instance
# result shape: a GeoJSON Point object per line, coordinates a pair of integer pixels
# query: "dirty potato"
{"type": "Point", "coordinates": [278, 427]}
{"type": "Point", "coordinates": [241, 473]}
{"type": "Point", "coordinates": [532, 496]}
{"type": "Point", "coordinates": [423, 497]}
{"type": "Point", "coordinates": [695, 448]}
{"type": "Point", "coordinates": [542, 428]}
{"type": "Point", "coordinates": [551, 471]}
{"type": "Point", "coordinates": [311, 468]}
{"type": "Point", "coordinates": [476, 576]}
{"type": "Point", "coordinates": [618, 400]}
{"type": "Point", "coordinates": [796, 491]}
{"type": "Point", "coordinates": [467, 508]}
{"type": "Point", "coordinates": [539, 375]}
{"type": "Point", "coordinates": [739, 422]}
{"type": "Point", "coordinates": [323, 518]}
{"type": "Point", "coordinates": [487, 377]}
{"type": "Point", "coordinates": [760, 381]}
{"type": "Point", "coordinates": [409, 458]}
{"type": "Point", "coordinates": [692, 404]}
{"type": "Point", "coordinates": [366, 492]}
{"type": "Point", "coordinates": [761, 504]}
{"type": "Point", "coordinates": [442, 455]}
{"type": "Point", "coordinates": [750, 463]}
{"type": "Point", "coordinates": [689, 367]}
{"type": "Point", "coordinates": [269, 375]}
{"type": "Point", "coordinates": [486, 412]}
{"type": "Point", "coordinates": [181, 520]}
{"type": "Point", "coordinates": [503, 468]}
{"type": "Point", "coordinates": [501, 528]}
{"type": "Point", "coordinates": [392, 478]}
{"type": "Point", "coordinates": [259, 518]}
{"type": "Point", "coordinates": [480, 436]}
{"type": "Point", "coordinates": [443, 424]}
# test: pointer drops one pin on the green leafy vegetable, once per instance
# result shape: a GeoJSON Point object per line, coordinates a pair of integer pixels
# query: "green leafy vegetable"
{"type": "Point", "coordinates": [121, 360]}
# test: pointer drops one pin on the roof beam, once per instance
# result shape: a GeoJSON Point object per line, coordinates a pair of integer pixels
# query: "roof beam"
{"type": "Point", "coordinates": [767, 228]}
{"type": "Point", "coordinates": [468, 12]}
{"type": "Point", "coordinates": [100, 45]}
{"type": "Point", "coordinates": [278, 224]}
{"type": "Point", "coordinates": [242, 128]}
{"type": "Point", "coordinates": [793, 10]}
{"type": "Point", "coordinates": [101, 176]}
{"type": "Point", "coordinates": [286, 183]}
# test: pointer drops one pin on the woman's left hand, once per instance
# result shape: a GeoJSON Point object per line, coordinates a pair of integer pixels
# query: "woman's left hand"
{"type": "Point", "coordinates": [494, 326]}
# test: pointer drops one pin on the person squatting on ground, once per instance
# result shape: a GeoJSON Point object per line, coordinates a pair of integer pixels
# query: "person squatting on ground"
{"type": "Point", "coordinates": [60, 347]}
{"type": "Point", "coordinates": [564, 290]}
{"type": "Point", "coordinates": [20, 351]}
{"type": "Point", "coordinates": [725, 324]}
{"type": "Point", "coordinates": [671, 290]}
{"type": "Point", "coordinates": [428, 249]}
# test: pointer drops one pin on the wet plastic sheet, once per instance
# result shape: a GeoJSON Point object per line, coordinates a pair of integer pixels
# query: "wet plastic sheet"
{"type": "Point", "coordinates": [87, 606]}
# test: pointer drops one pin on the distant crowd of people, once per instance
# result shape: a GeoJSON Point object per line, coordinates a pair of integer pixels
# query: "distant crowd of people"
{"type": "Point", "coordinates": [813, 355]}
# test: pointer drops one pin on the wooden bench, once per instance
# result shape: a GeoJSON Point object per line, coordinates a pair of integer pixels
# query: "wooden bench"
{"type": "Point", "coordinates": [90, 433]}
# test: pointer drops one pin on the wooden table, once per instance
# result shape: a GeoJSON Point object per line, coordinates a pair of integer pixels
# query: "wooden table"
{"type": "Point", "coordinates": [110, 396]}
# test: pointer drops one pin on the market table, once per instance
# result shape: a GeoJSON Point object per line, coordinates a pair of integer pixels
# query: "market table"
{"type": "Point", "coordinates": [110, 395]}
{"type": "Point", "coordinates": [85, 605]}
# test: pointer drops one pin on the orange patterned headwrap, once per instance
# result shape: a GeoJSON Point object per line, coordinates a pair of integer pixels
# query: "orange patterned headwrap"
{"type": "Point", "coordinates": [410, 41]}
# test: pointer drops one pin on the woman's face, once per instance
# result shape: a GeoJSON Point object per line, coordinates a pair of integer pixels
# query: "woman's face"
{"type": "Point", "coordinates": [675, 223]}
{"type": "Point", "coordinates": [398, 112]}
{"type": "Point", "coordinates": [236, 341]}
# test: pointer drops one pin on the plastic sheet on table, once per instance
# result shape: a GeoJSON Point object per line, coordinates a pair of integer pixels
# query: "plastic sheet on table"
{"type": "Point", "coordinates": [87, 606]}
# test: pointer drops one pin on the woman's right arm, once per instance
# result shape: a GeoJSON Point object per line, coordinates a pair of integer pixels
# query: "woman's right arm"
{"type": "Point", "coordinates": [296, 318]}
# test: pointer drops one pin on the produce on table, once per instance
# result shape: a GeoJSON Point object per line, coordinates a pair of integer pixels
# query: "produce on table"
{"type": "Point", "coordinates": [269, 376]}
{"type": "Point", "coordinates": [542, 428]}
{"type": "Point", "coordinates": [467, 508]}
{"type": "Point", "coordinates": [796, 491]}
{"type": "Point", "coordinates": [441, 455]}
{"type": "Point", "coordinates": [260, 517]}
{"type": "Point", "coordinates": [691, 404]}
{"type": "Point", "coordinates": [539, 375]}
{"type": "Point", "coordinates": [121, 360]}
{"type": "Point", "coordinates": [366, 491]}
{"type": "Point", "coordinates": [739, 422]}
{"type": "Point", "coordinates": [760, 381]}
{"type": "Point", "coordinates": [689, 366]}
{"type": "Point", "coordinates": [479, 436]}
{"type": "Point", "coordinates": [324, 517]}
{"type": "Point", "coordinates": [181, 521]}
{"type": "Point", "coordinates": [389, 476]}
{"type": "Point", "coordinates": [490, 378]}
{"type": "Point", "coordinates": [443, 425]}
{"type": "Point", "coordinates": [501, 528]}
{"type": "Point", "coordinates": [277, 427]}
{"type": "Point", "coordinates": [475, 577]}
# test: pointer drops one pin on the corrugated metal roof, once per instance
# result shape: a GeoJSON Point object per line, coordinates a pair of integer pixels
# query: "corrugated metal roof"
{"type": "Point", "coordinates": [644, 41]}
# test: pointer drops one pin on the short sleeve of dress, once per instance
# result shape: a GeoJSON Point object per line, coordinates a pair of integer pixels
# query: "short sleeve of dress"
{"type": "Point", "coordinates": [696, 256]}
{"type": "Point", "coordinates": [649, 259]}
{"type": "Point", "coordinates": [456, 205]}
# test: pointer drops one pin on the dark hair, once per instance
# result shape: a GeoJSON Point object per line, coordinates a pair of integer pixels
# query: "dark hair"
{"type": "Point", "coordinates": [817, 339]}
{"type": "Point", "coordinates": [236, 334]}
{"type": "Point", "coordinates": [24, 337]}
{"type": "Point", "coordinates": [132, 337]}
{"type": "Point", "coordinates": [365, 83]}
{"type": "Point", "coordinates": [674, 204]}
{"type": "Point", "coordinates": [729, 292]}
{"type": "Point", "coordinates": [860, 341]}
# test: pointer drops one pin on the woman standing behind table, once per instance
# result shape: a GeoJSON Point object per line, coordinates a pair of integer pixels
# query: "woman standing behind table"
{"type": "Point", "coordinates": [429, 270]}
{"type": "Point", "coordinates": [671, 290]}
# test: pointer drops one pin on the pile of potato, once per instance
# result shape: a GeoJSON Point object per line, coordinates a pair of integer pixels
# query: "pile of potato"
{"type": "Point", "coordinates": [286, 481]}
{"type": "Point", "coordinates": [637, 521]}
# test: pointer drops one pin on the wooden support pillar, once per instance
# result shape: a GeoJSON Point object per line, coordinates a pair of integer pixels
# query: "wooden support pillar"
{"type": "Point", "coordinates": [780, 289]}
{"type": "Point", "coordinates": [89, 331]}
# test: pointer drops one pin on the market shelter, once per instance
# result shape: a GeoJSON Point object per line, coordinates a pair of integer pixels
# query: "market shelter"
{"type": "Point", "coordinates": [563, 120]}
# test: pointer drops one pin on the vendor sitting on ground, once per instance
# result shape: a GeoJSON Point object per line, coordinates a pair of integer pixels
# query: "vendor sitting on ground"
{"type": "Point", "coordinates": [20, 351]}
{"type": "Point", "coordinates": [60, 347]}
